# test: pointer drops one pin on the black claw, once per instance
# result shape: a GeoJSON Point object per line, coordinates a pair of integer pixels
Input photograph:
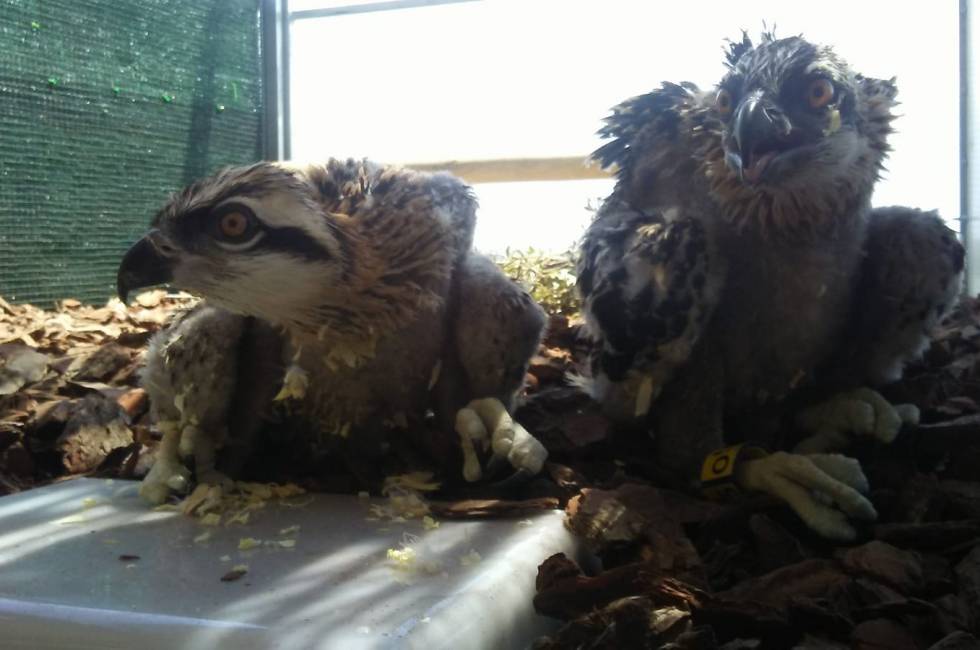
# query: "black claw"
{"type": "Point", "coordinates": [518, 479]}
{"type": "Point", "coordinates": [496, 466]}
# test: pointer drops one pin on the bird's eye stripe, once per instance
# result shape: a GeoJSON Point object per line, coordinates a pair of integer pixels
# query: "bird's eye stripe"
{"type": "Point", "coordinates": [295, 241]}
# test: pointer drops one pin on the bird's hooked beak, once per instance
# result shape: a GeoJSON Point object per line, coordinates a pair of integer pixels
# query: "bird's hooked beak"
{"type": "Point", "coordinates": [760, 132]}
{"type": "Point", "coordinates": [144, 265]}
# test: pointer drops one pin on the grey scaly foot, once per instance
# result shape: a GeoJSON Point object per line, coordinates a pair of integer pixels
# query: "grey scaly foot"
{"type": "Point", "coordinates": [860, 412]}
{"type": "Point", "coordinates": [825, 490]}
{"type": "Point", "coordinates": [486, 423]}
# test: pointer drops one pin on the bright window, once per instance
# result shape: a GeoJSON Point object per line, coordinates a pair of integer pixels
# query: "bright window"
{"type": "Point", "coordinates": [533, 78]}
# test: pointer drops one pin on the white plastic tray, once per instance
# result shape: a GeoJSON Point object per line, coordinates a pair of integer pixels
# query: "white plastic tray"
{"type": "Point", "coordinates": [63, 584]}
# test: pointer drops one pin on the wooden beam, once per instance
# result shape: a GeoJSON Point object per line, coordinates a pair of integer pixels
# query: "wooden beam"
{"type": "Point", "coordinates": [512, 170]}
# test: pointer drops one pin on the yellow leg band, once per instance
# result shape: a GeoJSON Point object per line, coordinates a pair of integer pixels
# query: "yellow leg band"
{"type": "Point", "coordinates": [718, 470]}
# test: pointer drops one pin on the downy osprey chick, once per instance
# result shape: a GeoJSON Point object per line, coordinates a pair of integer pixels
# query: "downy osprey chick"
{"type": "Point", "coordinates": [738, 264]}
{"type": "Point", "coordinates": [364, 276]}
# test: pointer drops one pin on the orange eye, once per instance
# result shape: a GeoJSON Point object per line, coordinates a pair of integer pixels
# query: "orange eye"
{"type": "Point", "coordinates": [233, 224]}
{"type": "Point", "coordinates": [819, 93]}
{"type": "Point", "coordinates": [723, 102]}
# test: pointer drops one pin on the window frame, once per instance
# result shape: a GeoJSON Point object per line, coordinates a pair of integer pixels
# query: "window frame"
{"type": "Point", "coordinates": [278, 20]}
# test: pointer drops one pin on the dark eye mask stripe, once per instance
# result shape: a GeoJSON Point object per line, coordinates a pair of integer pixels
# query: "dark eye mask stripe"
{"type": "Point", "coordinates": [293, 241]}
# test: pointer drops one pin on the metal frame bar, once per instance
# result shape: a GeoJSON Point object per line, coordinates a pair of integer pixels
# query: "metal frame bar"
{"type": "Point", "coordinates": [277, 111]}
{"type": "Point", "coordinates": [969, 135]}
{"type": "Point", "coordinates": [370, 7]}
{"type": "Point", "coordinates": [274, 17]}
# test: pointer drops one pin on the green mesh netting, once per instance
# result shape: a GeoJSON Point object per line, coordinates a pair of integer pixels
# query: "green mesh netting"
{"type": "Point", "coordinates": [106, 106]}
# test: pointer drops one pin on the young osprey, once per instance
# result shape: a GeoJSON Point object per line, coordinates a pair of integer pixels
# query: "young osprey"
{"type": "Point", "coordinates": [365, 277]}
{"type": "Point", "coordinates": [738, 263]}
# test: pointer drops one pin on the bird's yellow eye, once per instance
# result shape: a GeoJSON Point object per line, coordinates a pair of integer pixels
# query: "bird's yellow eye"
{"type": "Point", "coordinates": [233, 224]}
{"type": "Point", "coordinates": [723, 102]}
{"type": "Point", "coordinates": [819, 93]}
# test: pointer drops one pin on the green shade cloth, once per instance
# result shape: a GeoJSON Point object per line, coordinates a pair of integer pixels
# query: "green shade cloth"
{"type": "Point", "coordinates": [107, 106]}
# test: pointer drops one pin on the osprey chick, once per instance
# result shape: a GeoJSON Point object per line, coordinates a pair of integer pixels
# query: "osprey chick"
{"type": "Point", "coordinates": [361, 280]}
{"type": "Point", "coordinates": [738, 271]}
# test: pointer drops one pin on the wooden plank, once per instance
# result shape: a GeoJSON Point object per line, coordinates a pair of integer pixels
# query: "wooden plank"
{"type": "Point", "coordinates": [571, 168]}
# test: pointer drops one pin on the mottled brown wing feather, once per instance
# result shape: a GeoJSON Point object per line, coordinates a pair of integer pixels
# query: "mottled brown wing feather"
{"type": "Point", "coordinates": [645, 272]}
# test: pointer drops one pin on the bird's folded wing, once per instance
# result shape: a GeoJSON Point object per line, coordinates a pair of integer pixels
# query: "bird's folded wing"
{"type": "Point", "coordinates": [648, 290]}
{"type": "Point", "coordinates": [646, 273]}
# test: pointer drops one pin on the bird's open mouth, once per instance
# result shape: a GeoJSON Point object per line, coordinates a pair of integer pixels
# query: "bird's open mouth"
{"type": "Point", "coordinates": [764, 159]}
{"type": "Point", "coordinates": [757, 163]}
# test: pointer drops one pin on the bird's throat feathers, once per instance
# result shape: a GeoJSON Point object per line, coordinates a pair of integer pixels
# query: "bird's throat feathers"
{"type": "Point", "coordinates": [812, 204]}
{"type": "Point", "coordinates": [802, 213]}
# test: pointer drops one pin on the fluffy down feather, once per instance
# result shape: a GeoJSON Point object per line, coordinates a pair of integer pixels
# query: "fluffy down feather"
{"type": "Point", "coordinates": [738, 269]}
{"type": "Point", "coordinates": [378, 307]}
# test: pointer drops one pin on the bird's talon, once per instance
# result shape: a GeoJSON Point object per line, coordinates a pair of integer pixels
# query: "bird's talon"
{"type": "Point", "coordinates": [178, 483]}
{"type": "Point", "coordinates": [496, 465]}
{"type": "Point", "coordinates": [831, 524]}
{"type": "Point", "coordinates": [164, 478]}
{"type": "Point", "coordinates": [154, 493]}
{"type": "Point", "coordinates": [909, 413]}
{"type": "Point", "coordinates": [472, 433]}
{"type": "Point", "coordinates": [819, 488]}
{"type": "Point", "coordinates": [859, 412]}
{"type": "Point", "coordinates": [503, 441]}
{"type": "Point", "coordinates": [523, 450]}
{"type": "Point", "coordinates": [517, 479]}
{"type": "Point", "coordinates": [216, 478]}
{"type": "Point", "coordinates": [509, 441]}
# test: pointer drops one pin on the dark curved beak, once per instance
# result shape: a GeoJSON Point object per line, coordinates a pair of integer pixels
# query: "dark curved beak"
{"type": "Point", "coordinates": [143, 266]}
{"type": "Point", "coordinates": [759, 130]}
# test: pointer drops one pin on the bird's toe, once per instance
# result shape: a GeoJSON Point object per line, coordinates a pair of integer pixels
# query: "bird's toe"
{"type": "Point", "coordinates": [154, 492]}
{"type": "Point", "coordinates": [215, 478]}
{"type": "Point", "coordinates": [510, 442]}
{"type": "Point", "coordinates": [909, 413]}
{"type": "Point", "coordinates": [861, 412]}
{"type": "Point", "coordinates": [164, 478]}
{"type": "Point", "coordinates": [887, 419]}
{"type": "Point", "coordinates": [831, 524]}
{"type": "Point", "coordinates": [472, 433]}
{"type": "Point", "coordinates": [526, 451]}
{"type": "Point", "coordinates": [179, 480]}
{"type": "Point", "coordinates": [842, 468]}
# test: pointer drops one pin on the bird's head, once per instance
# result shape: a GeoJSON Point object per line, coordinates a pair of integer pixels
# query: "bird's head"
{"type": "Point", "coordinates": [798, 122]}
{"type": "Point", "coordinates": [254, 240]}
